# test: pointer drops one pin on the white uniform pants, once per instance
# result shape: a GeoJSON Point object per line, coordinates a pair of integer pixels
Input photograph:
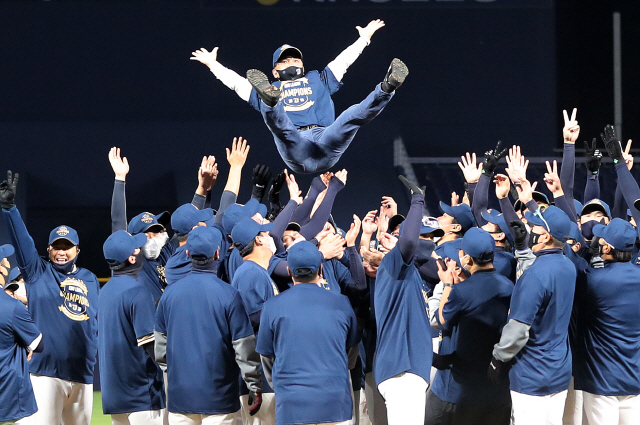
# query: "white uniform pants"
{"type": "Point", "coordinates": [146, 417]}
{"type": "Point", "coordinates": [7, 423]}
{"type": "Point", "coordinates": [60, 402]}
{"type": "Point", "coordinates": [405, 396]}
{"type": "Point", "coordinates": [376, 407]}
{"type": "Point", "coordinates": [611, 410]}
{"type": "Point", "coordinates": [573, 407]}
{"type": "Point", "coordinates": [265, 416]}
{"type": "Point", "coordinates": [537, 410]}
{"type": "Point", "coordinates": [187, 419]}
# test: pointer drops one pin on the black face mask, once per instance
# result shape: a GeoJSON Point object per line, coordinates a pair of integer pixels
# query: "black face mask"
{"type": "Point", "coordinates": [533, 239]}
{"type": "Point", "coordinates": [291, 73]}
{"type": "Point", "coordinates": [132, 270]}
{"type": "Point", "coordinates": [587, 228]}
{"type": "Point", "coordinates": [423, 253]}
{"type": "Point", "coordinates": [65, 268]}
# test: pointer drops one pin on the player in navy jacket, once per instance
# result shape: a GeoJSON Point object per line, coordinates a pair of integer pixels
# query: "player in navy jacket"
{"type": "Point", "coordinates": [18, 336]}
{"type": "Point", "coordinates": [402, 362]}
{"type": "Point", "coordinates": [536, 334]}
{"type": "Point", "coordinates": [303, 340]}
{"type": "Point", "coordinates": [203, 362]}
{"type": "Point", "coordinates": [131, 381]}
{"type": "Point", "coordinates": [298, 109]}
{"type": "Point", "coordinates": [63, 302]}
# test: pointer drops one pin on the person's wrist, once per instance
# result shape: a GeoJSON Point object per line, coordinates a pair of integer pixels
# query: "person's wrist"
{"type": "Point", "coordinates": [121, 177]}
{"type": "Point", "coordinates": [448, 285]}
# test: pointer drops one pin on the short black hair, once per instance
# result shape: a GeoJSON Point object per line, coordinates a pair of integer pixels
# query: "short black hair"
{"type": "Point", "coordinates": [182, 238]}
{"type": "Point", "coordinates": [484, 259]}
{"type": "Point", "coordinates": [201, 260]}
{"type": "Point", "coordinates": [305, 277]}
{"type": "Point", "coordinates": [248, 249]}
{"type": "Point", "coordinates": [621, 256]}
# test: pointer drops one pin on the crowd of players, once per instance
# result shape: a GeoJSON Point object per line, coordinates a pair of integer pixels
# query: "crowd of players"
{"type": "Point", "coordinates": [260, 315]}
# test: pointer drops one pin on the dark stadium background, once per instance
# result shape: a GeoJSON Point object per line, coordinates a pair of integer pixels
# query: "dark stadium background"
{"type": "Point", "coordinates": [77, 77]}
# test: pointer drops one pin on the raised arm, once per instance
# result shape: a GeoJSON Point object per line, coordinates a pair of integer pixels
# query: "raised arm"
{"type": "Point", "coordinates": [320, 217]}
{"type": "Point", "coordinates": [25, 249]}
{"type": "Point", "coordinates": [303, 214]}
{"type": "Point", "coordinates": [619, 209]}
{"type": "Point", "coordinates": [284, 218]}
{"type": "Point", "coordinates": [120, 167]}
{"type": "Point", "coordinates": [356, 278]}
{"type": "Point", "coordinates": [552, 181]}
{"type": "Point", "coordinates": [229, 78]}
{"type": "Point", "coordinates": [410, 235]}
{"type": "Point", "coordinates": [570, 133]}
{"type": "Point", "coordinates": [344, 60]}
{"type": "Point", "coordinates": [236, 157]}
{"type": "Point", "coordinates": [592, 162]}
{"type": "Point", "coordinates": [207, 175]}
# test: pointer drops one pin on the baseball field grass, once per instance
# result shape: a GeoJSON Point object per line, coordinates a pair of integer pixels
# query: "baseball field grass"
{"type": "Point", "coordinates": [98, 418]}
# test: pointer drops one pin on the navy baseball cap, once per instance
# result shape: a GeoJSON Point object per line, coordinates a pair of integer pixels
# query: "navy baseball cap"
{"type": "Point", "coordinates": [285, 48]}
{"type": "Point", "coordinates": [236, 212]}
{"type": "Point", "coordinates": [539, 197]}
{"type": "Point", "coordinates": [619, 233]}
{"type": "Point", "coordinates": [496, 217]}
{"type": "Point", "coordinates": [203, 241]}
{"type": "Point", "coordinates": [394, 222]}
{"type": "Point", "coordinates": [64, 232]}
{"type": "Point", "coordinates": [462, 213]}
{"type": "Point", "coordinates": [146, 221]}
{"type": "Point", "coordinates": [451, 250]}
{"type": "Point", "coordinates": [577, 204]}
{"type": "Point", "coordinates": [187, 216]}
{"type": "Point", "coordinates": [477, 242]}
{"type": "Point", "coordinates": [596, 205]}
{"type": "Point", "coordinates": [553, 220]}
{"type": "Point", "coordinates": [576, 234]}
{"type": "Point", "coordinates": [6, 251]}
{"type": "Point", "coordinates": [11, 286]}
{"type": "Point", "coordinates": [246, 230]}
{"type": "Point", "coordinates": [15, 274]}
{"type": "Point", "coordinates": [431, 225]}
{"type": "Point", "coordinates": [293, 226]}
{"type": "Point", "coordinates": [304, 259]}
{"type": "Point", "coordinates": [121, 245]}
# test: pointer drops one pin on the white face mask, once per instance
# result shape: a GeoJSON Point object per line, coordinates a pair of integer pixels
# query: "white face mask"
{"type": "Point", "coordinates": [272, 245]}
{"type": "Point", "coordinates": [295, 241]}
{"type": "Point", "coordinates": [462, 264]}
{"type": "Point", "coordinates": [152, 248]}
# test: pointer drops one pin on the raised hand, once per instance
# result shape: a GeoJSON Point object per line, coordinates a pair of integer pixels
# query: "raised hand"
{"type": "Point", "coordinates": [492, 157]}
{"type": "Point", "coordinates": [204, 56]}
{"type": "Point", "coordinates": [388, 206]}
{"type": "Point", "coordinates": [612, 143]}
{"type": "Point", "coordinates": [331, 246]}
{"type": "Point", "coordinates": [593, 158]}
{"type": "Point", "coordinates": [571, 129]}
{"type": "Point", "coordinates": [237, 156]}
{"type": "Point", "coordinates": [353, 232]}
{"type": "Point", "coordinates": [260, 180]}
{"type": "Point", "coordinates": [8, 190]}
{"type": "Point", "coordinates": [371, 256]}
{"type": "Point", "coordinates": [295, 194]}
{"type": "Point", "coordinates": [469, 169]}
{"type": "Point", "coordinates": [525, 191]}
{"type": "Point", "coordinates": [415, 190]}
{"type": "Point", "coordinates": [120, 166]}
{"type": "Point", "coordinates": [552, 179]}
{"type": "Point", "coordinates": [207, 174]}
{"type": "Point", "coordinates": [520, 234]}
{"type": "Point", "coordinates": [276, 187]}
{"type": "Point", "coordinates": [455, 199]}
{"type": "Point", "coordinates": [382, 221]}
{"type": "Point", "coordinates": [516, 165]}
{"type": "Point", "coordinates": [326, 178]}
{"type": "Point", "coordinates": [628, 158]}
{"type": "Point", "coordinates": [502, 185]}
{"type": "Point", "coordinates": [371, 28]}
{"type": "Point", "coordinates": [342, 176]}
{"type": "Point", "coordinates": [369, 225]}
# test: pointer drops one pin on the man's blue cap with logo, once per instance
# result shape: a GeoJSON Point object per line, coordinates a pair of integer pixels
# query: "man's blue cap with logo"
{"type": "Point", "coordinates": [304, 259]}
{"type": "Point", "coordinates": [496, 217]}
{"type": "Point", "coordinates": [246, 230]}
{"type": "Point", "coordinates": [596, 205]}
{"type": "Point", "coordinates": [477, 242]}
{"type": "Point", "coordinates": [203, 241]}
{"type": "Point", "coordinates": [553, 220]}
{"type": "Point", "coordinates": [146, 221]}
{"type": "Point", "coordinates": [619, 233]}
{"type": "Point", "coordinates": [289, 50]}
{"type": "Point", "coordinates": [431, 225]}
{"type": "Point", "coordinates": [187, 216]}
{"type": "Point", "coordinates": [462, 213]}
{"type": "Point", "coordinates": [121, 245]}
{"type": "Point", "coordinates": [64, 232]}
{"type": "Point", "coordinates": [236, 212]}
{"type": "Point", "coordinates": [6, 251]}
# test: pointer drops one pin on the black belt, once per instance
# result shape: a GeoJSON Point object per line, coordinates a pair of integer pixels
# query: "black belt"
{"type": "Point", "coordinates": [308, 127]}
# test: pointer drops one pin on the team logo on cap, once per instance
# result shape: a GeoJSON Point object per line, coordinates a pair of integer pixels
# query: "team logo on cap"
{"type": "Point", "coordinates": [75, 305]}
{"type": "Point", "coordinates": [62, 231]}
{"type": "Point", "coordinates": [146, 218]}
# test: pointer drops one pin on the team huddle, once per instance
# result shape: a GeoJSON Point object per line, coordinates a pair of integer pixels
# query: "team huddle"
{"type": "Point", "coordinates": [270, 313]}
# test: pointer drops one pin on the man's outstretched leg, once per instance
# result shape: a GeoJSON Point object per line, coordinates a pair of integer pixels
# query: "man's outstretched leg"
{"type": "Point", "coordinates": [336, 138]}
{"type": "Point", "coordinates": [295, 149]}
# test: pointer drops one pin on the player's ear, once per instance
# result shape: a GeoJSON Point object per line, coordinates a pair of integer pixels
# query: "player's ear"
{"type": "Point", "coordinates": [216, 255]}
{"type": "Point", "coordinates": [289, 272]}
{"type": "Point", "coordinates": [132, 259]}
{"type": "Point", "coordinates": [187, 252]}
{"type": "Point", "coordinates": [457, 228]}
{"type": "Point", "coordinates": [275, 74]}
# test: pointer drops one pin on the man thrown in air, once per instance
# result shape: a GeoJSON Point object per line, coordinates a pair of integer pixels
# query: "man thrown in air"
{"type": "Point", "coordinates": [298, 109]}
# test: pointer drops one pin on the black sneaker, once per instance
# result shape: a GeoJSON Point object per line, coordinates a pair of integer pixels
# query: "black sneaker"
{"type": "Point", "coordinates": [396, 74]}
{"type": "Point", "coordinates": [267, 92]}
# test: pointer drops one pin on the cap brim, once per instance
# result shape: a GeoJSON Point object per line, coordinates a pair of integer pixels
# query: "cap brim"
{"type": "Point", "coordinates": [139, 240]}
{"type": "Point", "coordinates": [11, 286]}
{"type": "Point", "coordinates": [65, 238]}
{"type": "Point", "coordinates": [266, 227]}
{"type": "Point", "coordinates": [535, 221]}
{"type": "Point", "coordinates": [6, 251]}
{"type": "Point", "coordinates": [164, 219]}
{"type": "Point", "coordinates": [289, 50]}
{"type": "Point", "coordinates": [293, 226]}
{"type": "Point", "coordinates": [446, 209]}
{"type": "Point", "coordinates": [425, 230]}
{"type": "Point", "coordinates": [600, 231]}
